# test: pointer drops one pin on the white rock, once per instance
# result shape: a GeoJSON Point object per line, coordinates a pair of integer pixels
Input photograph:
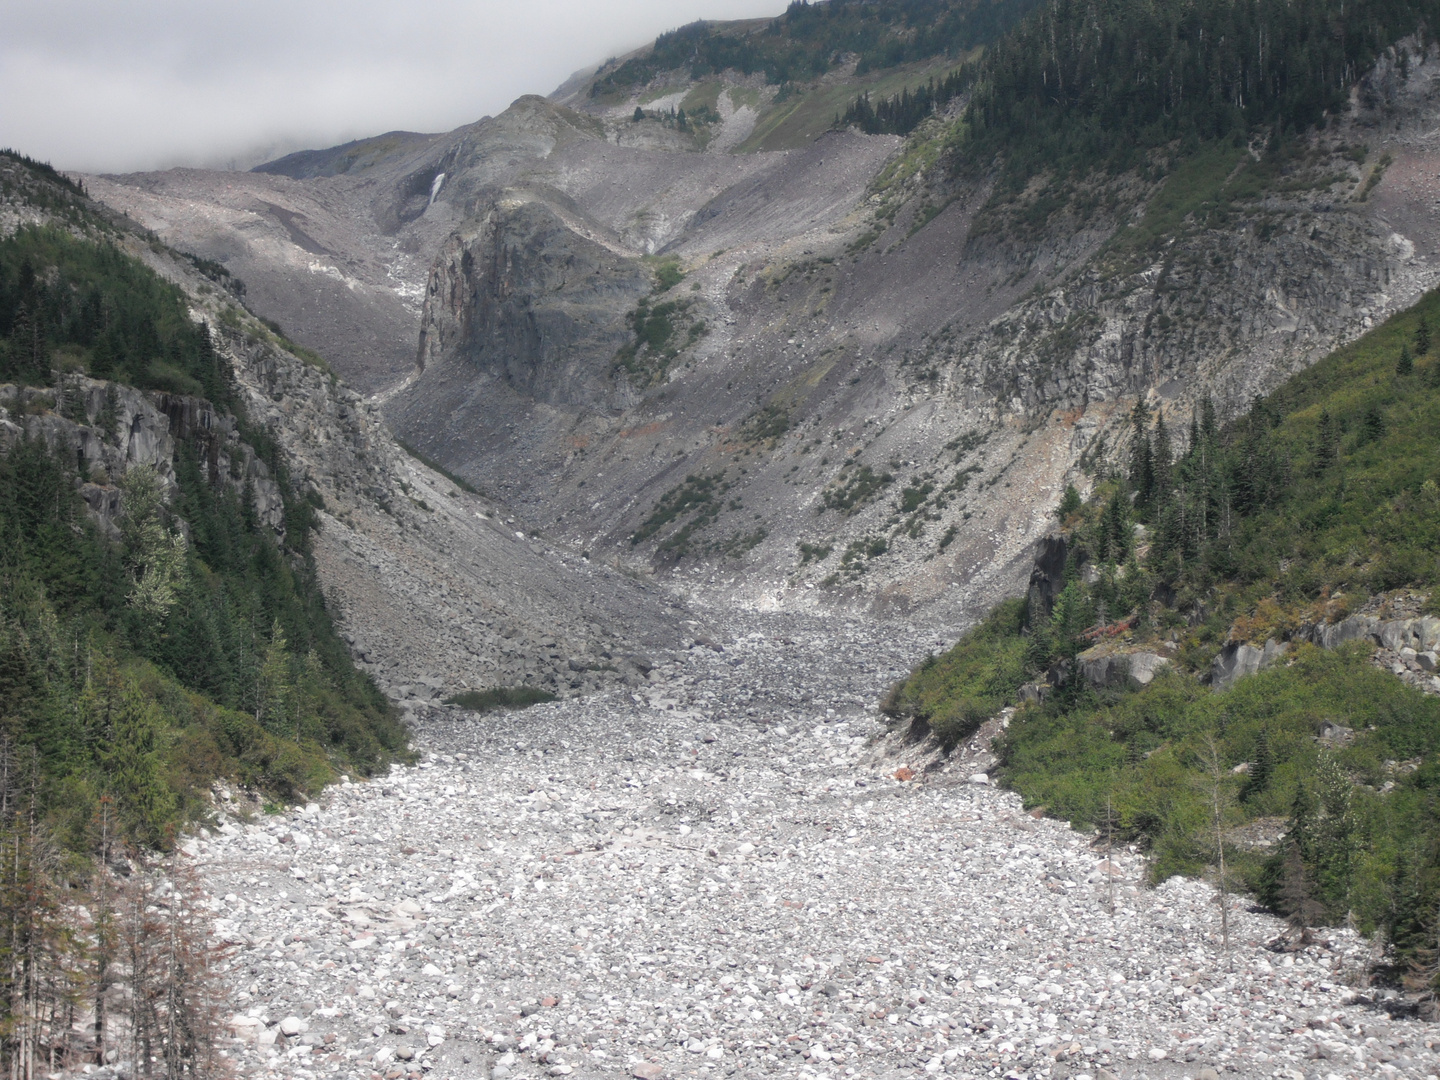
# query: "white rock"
{"type": "Point", "coordinates": [292, 1026]}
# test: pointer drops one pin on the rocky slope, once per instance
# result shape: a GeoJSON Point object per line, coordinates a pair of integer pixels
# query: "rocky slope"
{"type": "Point", "coordinates": [890, 393]}
{"type": "Point", "coordinates": [437, 588]}
{"type": "Point", "coordinates": [746, 884]}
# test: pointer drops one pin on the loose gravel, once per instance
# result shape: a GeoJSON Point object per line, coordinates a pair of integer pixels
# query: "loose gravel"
{"type": "Point", "coordinates": [719, 874]}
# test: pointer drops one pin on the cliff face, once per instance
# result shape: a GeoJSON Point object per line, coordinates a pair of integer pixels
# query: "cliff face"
{"type": "Point", "coordinates": [109, 428]}
{"type": "Point", "coordinates": [534, 294]}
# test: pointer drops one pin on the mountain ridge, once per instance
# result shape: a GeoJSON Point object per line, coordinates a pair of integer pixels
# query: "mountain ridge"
{"type": "Point", "coordinates": [857, 290]}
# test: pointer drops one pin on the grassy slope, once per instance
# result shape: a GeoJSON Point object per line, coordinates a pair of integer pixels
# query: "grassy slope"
{"type": "Point", "coordinates": [811, 111]}
{"type": "Point", "coordinates": [1364, 824]}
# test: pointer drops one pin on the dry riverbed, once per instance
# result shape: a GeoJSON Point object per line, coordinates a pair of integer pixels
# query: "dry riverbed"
{"type": "Point", "coordinates": [719, 875]}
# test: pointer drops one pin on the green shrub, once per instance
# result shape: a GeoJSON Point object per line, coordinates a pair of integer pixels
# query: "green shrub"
{"type": "Point", "coordinates": [500, 697]}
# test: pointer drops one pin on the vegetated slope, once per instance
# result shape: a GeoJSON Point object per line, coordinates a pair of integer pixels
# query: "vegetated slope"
{"type": "Point", "coordinates": [1320, 503]}
{"type": "Point", "coordinates": [178, 634]}
{"type": "Point", "coordinates": [811, 40]}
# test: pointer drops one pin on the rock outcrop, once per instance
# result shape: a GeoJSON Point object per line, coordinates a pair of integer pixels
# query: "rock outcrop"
{"type": "Point", "coordinates": [108, 428]}
{"type": "Point", "coordinates": [1237, 660]}
{"type": "Point", "coordinates": [1103, 667]}
{"type": "Point", "coordinates": [1421, 634]}
{"type": "Point", "coordinates": [534, 293]}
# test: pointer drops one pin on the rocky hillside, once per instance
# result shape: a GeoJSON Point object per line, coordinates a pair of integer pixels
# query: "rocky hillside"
{"type": "Point", "coordinates": [798, 366]}
{"type": "Point", "coordinates": [392, 537]}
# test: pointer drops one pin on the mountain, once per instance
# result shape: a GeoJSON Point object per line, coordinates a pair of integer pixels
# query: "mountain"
{"type": "Point", "coordinates": [1102, 330]}
{"type": "Point", "coordinates": [220, 566]}
{"type": "Point", "coordinates": [881, 358]}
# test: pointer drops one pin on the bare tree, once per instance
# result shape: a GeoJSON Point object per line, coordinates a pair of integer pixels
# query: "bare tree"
{"type": "Point", "coordinates": [1108, 826]}
{"type": "Point", "coordinates": [39, 982]}
{"type": "Point", "coordinates": [174, 994]}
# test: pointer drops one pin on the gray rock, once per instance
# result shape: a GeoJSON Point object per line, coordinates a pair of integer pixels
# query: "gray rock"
{"type": "Point", "coordinates": [292, 1026]}
{"type": "Point", "coordinates": [1236, 660]}
{"type": "Point", "coordinates": [1120, 668]}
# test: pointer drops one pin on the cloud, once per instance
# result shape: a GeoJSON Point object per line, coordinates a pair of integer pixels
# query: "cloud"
{"type": "Point", "coordinates": [92, 85]}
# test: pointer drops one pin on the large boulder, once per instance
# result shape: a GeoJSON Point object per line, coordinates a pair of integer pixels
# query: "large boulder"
{"type": "Point", "coordinates": [1103, 667]}
{"type": "Point", "coordinates": [1237, 660]}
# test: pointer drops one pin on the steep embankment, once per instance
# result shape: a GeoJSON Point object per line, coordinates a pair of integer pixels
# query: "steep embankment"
{"type": "Point", "coordinates": [1232, 647]}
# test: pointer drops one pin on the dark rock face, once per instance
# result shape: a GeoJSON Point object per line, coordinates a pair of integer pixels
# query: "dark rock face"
{"type": "Point", "coordinates": [1047, 577]}
{"type": "Point", "coordinates": [535, 294]}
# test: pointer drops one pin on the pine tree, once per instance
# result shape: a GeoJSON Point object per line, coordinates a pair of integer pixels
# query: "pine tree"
{"type": "Point", "coordinates": [1423, 976]}
{"type": "Point", "coordinates": [1160, 462]}
{"type": "Point", "coordinates": [1422, 337]}
{"type": "Point", "coordinates": [1406, 364]}
{"type": "Point", "coordinates": [1115, 530]}
{"type": "Point", "coordinates": [1141, 476]}
{"type": "Point", "coordinates": [1263, 767]}
{"type": "Point", "coordinates": [1327, 442]}
{"type": "Point", "coordinates": [1297, 899]}
{"type": "Point", "coordinates": [1209, 424]}
{"type": "Point", "coordinates": [1070, 503]}
{"type": "Point", "coordinates": [274, 688]}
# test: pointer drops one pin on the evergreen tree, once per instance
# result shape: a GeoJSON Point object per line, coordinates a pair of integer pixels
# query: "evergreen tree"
{"type": "Point", "coordinates": [1160, 463]}
{"type": "Point", "coordinates": [1406, 364]}
{"type": "Point", "coordinates": [273, 686]}
{"type": "Point", "coordinates": [1141, 477]}
{"type": "Point", "coordinates": [1423, 975]}
{"type": "Point", "coordinates": [1114, 534]}
{"type": "Point", "coordinates": [1209, 424]}
{"type": "Point", "coordinates": [1263, 767]}
{"type": "Point", "coordinates": [1372, 425]}
{"type": "Point", "coordinates": [1296, 898]}
{"type": "Point", "coordinates": [1327, 442]}
{"type": "Point", "coordinates": [1070, 503]}
{"type": "Point", "coordinates": [1422, 337]}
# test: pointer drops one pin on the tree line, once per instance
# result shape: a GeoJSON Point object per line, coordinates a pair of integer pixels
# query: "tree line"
{"type": "Point", "coordinates": [902, 113]}
{"type": "Point", "coordinates": [1078, 86]}
{"type": "Point", "coordinates": [812, 39]}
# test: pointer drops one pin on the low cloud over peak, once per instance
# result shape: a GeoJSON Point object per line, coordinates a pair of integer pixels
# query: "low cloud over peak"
{"type": "Point", "coordinates": [96, 86]}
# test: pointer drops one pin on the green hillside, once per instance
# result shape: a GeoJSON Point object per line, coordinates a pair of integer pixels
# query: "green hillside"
{"type": "Point", "coordinates": [135, 672]}
{"type": "Point", "coordinates": [810, 40]}
{"type": "Point", "coordinates": [1121, 76]}
{"type": "Point", "coordinates": [1323, 500]}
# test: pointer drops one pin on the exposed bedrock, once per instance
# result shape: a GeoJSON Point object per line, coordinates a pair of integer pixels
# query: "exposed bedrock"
{"type": "Point", "coordinates": [534, 293]}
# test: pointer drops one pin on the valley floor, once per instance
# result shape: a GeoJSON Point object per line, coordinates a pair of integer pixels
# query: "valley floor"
{"type": "Point", "coordinates": [721, 876]}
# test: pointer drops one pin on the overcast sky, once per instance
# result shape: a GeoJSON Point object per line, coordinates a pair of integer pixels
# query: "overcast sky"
{"type": "Point", "coordinates": [116, 85]}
